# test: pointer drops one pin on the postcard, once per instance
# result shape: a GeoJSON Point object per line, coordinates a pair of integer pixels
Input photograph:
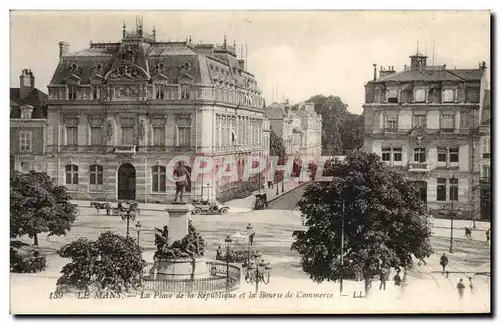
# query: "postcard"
{"type": "Point", "coordinates": [250, 162]}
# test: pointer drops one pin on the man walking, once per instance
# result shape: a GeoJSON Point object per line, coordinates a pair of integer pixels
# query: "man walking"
{"type": "Point", "coordinates": [461, 288]}
{"type": "Point", "coordinates": [383, 277]}
{"type": "Point", "coordinates": [444, 261]}
{"type": "Point", "coordinates": [468, 232]}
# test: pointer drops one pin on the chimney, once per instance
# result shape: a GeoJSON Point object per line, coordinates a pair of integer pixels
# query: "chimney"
{"type": "Point", "coordinates": [386, 72]}
{"type": "Point", "coordinates": [27, 83]}
{"type": "Point", "coordinates": [242, 64]}
{"type": "Point", "coordinates": [374, 72]}
{"type": "Point", "coordinates": [63, 49]}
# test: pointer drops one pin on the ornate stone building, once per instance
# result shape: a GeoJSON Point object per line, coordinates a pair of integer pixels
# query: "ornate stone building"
{"type": "Point", "coordinates": [120, 112]}
{"type": "Point", "coordinates": [28, 125]}
{"type": "Point", "coordinates": [423, 121]}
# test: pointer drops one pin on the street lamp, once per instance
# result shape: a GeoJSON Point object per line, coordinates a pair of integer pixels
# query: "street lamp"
{"type": "Point", "coordinates": [228, 250]}
{"type": "Point", "coordinates": [258, 271]}
{"type": "Point", "coordinates": [276, 183]}
{"type": "Point", "coordinates": [250, 239]}
{"type": "Point", "coordinates": [138, 227]}
{"type": "Point", "coordinates": [129, 215]}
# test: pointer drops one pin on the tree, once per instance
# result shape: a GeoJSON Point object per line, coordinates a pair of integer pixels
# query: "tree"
{"type": "Point", "coordinates": [37, 205]}
{"type": "Point", "coordinates": [332, 110]}
{"type": "Point", "coordinates": [277, 147]}
{"type": "Point", "coordinates": [385, 221]}
{"type": "Point", "coordinates": [112, 263]}
{"type": "Point", "coordinates": [352, 131]}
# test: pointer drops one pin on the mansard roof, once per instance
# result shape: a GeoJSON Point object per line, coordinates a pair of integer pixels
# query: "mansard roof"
{"type": "Point", "coordinates": [205, 63]}
{"type": "Point", "coordinates": [431, 75]}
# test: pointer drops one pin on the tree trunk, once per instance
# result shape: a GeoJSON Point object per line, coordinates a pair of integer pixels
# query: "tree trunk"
{"type": "Point", "coordinates": [35, 239]}
{"type": "Point", "coordinates": [368, 283]}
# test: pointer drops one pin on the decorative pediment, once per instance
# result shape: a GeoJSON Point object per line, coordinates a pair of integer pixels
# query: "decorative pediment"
{"type": "Point", "coordinates": [186, 78]}
{"type": "Point", "coordinates": [127, 72]}
{"type": "Point", "coordinates": [73, 79]}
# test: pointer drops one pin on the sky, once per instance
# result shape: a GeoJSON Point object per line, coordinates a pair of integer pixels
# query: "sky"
{"type": "Point", "coordinates": [293, 54]}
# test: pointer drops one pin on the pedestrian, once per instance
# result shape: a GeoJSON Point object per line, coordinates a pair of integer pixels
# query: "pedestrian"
{"type": "Point", "coordinates": [471, 286]}
{"type": "Point", "coordinates": [444, 261]}
{"type": "Point", "coordinates": [487, 237]}
{"type": "Point", "coordinates": [383, 278]}
{"type": "Point", "coordinates": [468, 232]}
{"type": "Point", "coordinates": [397, 279]}
{"type": "Point", "coordinates": [461, 287]}
{"type": "Point", "coordinates": [219, 254]}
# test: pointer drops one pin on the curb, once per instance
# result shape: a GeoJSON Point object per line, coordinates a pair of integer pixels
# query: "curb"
{"type": "Point", "coordinates": [279, 196]}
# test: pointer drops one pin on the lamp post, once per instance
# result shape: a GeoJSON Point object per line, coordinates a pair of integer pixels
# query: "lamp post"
{"type": "Point", "coordinates": [128, 214]}
{"type": "Point", "coordinates": [258, 271]}
{"type": "Point", "coordinates": [138, 227]}
{"type": "Point", "coordinates": [276, 183]}
{"type": "Point", "coordinates": [228, 250]}
{"type": "Point", "coordinates": [283, 183]}
{"type": "Point", "coordinates": [250, 239]}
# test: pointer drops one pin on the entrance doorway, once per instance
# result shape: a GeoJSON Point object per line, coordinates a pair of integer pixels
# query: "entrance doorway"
{"type": "Point", "coordinates": [126, 182]}
{"type": "Point", "coordinates": [422, 193]}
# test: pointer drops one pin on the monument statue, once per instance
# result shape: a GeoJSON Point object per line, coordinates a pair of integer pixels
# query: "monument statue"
{"type": "Point", "coordinates": [181, 172]}
{"type": "Point", "coordinates": [192, 245]}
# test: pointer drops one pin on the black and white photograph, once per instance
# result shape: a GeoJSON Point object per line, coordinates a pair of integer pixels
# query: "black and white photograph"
{"type": "Point", "coordinates": [250, 162]}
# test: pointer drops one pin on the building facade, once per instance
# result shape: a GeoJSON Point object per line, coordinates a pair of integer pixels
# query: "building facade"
{"type": "Point", "coordinates": [310, 122]}
{"type": "Point", "coordinates": [423, 121]}
{"type": "Point", "coordinates": [485, 157]}
{"type": "Point", "coordinates": [119, 113]}
{"type": "Point", "coordinates": [28, 125]}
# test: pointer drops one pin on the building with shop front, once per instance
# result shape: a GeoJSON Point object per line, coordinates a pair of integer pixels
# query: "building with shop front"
{"type": "Point", "coordinates": [120, 112]}
{"type": "Point", "coordinates": [423, 121]}
{"type": "Point", "coordinates": [28, 125]}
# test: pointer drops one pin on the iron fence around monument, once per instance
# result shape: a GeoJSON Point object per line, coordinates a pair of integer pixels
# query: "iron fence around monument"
{"type": "Point", "coordinates": [214, 281]}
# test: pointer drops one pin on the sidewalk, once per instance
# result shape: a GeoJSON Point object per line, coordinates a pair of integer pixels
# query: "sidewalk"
{"type": "Point", "coordinates": [235, 205]}
{"type": "Point", "coordinates": [249, 202]}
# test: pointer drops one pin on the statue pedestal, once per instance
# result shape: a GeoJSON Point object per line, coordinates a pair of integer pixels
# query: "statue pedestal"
{"type": "Point", "coordinates": [178, 220]}
{"type": "Point", "coordinates": [179, 269]}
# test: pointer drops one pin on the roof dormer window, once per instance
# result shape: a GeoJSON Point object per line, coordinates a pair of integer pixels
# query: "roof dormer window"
{"type": "Point", "coordinates": [26, 111]}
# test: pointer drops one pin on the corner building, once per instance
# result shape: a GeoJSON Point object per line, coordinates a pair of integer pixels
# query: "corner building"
{"type": "Point", "coordinates": [119, 112]}
{"type": "Point", "coordinates": [424, 121]}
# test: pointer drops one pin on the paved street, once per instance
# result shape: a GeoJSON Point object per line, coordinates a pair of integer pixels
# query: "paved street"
{"type": "Point", "coordinates": [274, 228]}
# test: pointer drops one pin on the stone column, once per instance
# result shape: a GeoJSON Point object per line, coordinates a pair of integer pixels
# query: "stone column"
{"type": "Point", "coordinates": [178, 220]}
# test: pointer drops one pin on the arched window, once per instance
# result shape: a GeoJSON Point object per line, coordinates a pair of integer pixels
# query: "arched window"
{"type": "Point", "coordinates": [72, 174]}
{"type": "Point", "coordinates": [96, 174]}
{"type": "Point", "coordinates": [159, 177]}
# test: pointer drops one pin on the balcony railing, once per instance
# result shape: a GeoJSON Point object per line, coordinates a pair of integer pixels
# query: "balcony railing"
{"type": "Point", "coordinates": [418, 167]}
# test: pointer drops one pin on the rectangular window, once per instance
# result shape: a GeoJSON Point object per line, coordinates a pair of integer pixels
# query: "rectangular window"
{"type": "Point", "coordinates": [127, 135]}
{"type": "Point", "coordinates": [441, 155]}
{"type": "Point", "coordinates": [454, 189]}
{"type": "Point", "coordinates": [185, 91]}
{"type": "Point", "coordinates": [71, 174]}
{"type": "Point", "coordinates": [159, 136]}
{"type": "Point", "coordinates": [25, 141]}
{"type": "Point", "coordinates": [71, 135]}
{"type": "Point", "coordinates": [419, 121]}
{"type": "Point", "coordinates": [391, 123]}
{"type": "Point", "coordinates": [159, 177]}
{"type": "Point", "coordinates": [184, 132]}
{"type": "Point", "coordinates": [392, 96]}
{"type": "Point", "coordinates": [160, 91]}
{"type": "Point", "coordinates": [485, 147]}
{"type": "Point", "coordinates": [386, 154]}
{"type": "Point", "coordinates": [448, 95]}
{"type": "Point", "coordinates": [486, 172]}
{"type": "Point", "coordinates": [398, 154]}
{"type": "Point", "coordinates": [72, 92]}
{"type": "Point", "coordinates": [419, 154]}
{"type": "Point", "coordinates": [96, 136]}
{"type": "Point", "coordinates": [96, 174]}
{"type": "Point", "coordinates": [420, 95]}
{"type": "Point", "coordinates": [441, 189]}
{"type": "Point", "coordinates": [448, 122]}
{"type": "Point", "coordinates": [454, 153]}
{"type": "Point", "coordinates": [96, 92]}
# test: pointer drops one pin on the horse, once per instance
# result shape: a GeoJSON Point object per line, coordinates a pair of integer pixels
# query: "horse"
{"type": "Point", "coordinates": [98, 206]}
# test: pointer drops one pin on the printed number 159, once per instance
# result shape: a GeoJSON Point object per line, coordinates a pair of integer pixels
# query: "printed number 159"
{"type": "Point", "coordinates": [55, 295]}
